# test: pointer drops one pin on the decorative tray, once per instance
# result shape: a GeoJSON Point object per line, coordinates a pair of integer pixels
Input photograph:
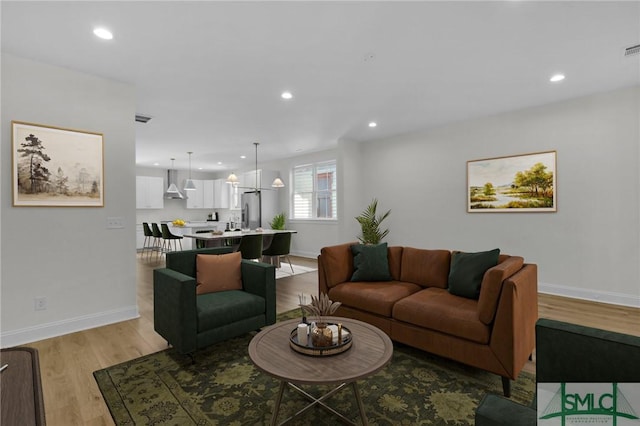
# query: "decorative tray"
{"type": "Point", "coordinates": [311, 350]}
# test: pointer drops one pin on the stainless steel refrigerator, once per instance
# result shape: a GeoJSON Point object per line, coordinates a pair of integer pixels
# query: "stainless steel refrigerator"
{"type": "Point", "coordinates": [251, 203]}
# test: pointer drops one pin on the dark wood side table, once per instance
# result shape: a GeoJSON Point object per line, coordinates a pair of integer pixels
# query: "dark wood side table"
{"type": "Point", "coordinates": [270, 352]}
{"type": "Point", "coordinates": [21, 400]}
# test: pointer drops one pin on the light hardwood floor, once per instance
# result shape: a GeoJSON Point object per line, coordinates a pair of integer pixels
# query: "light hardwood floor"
{"type": "Point", "coordinates": [67, 362]}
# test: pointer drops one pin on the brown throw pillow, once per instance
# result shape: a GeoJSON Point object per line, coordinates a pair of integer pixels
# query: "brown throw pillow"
{"type": "Point", "coordinates": [218, 272]}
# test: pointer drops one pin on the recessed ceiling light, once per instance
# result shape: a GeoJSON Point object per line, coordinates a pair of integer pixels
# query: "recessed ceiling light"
{"type": "Point", "coordinates": [286, 95]}
{"type": "Point", "coordinates": [373, 124]}
{"type": "Point", "coordinates": [156, 164]}
{"type": "Point", "coordinates": [219, 163]}
{"type": "Point", "coordinates": [103, 33]}
{"type": "Point", "coordinates": [556, 78]}
{"type": "Point", "coordinates": [243, 156]}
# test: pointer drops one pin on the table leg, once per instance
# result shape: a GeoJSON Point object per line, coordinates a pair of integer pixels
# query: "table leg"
{"type": "Point", "coordinates": [276, 407]}
{"type": "Point", "coordinates": [363, 415]}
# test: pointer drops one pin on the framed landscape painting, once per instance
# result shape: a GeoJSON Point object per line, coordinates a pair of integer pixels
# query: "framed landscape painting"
{"type": "Point", "coordinates": [57, 167]}
{"type": "Point", "coordinates": [518, 183]}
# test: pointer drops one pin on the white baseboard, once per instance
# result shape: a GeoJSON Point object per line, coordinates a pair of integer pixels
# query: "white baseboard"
{"type": "Point", "coordinates": [592, 295]}
{"type": "Point", "coordinates": [310, 254]}
{"type": "Point", "coordinates": [59, 328]}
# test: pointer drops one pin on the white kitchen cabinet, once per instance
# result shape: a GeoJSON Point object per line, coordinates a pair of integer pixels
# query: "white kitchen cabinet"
{"type": "Point", "coordinates": [208, 187]}
{"type": "Point", "coordinates": [149, 192]}
{"type": "Point", "coordinates": [139, 237]}
{"type": "Point", "coordinates": [201, 197]}
{"type": "Point", "coordinates": [221, 194]}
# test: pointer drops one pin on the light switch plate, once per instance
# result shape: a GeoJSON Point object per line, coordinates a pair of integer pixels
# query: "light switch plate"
{"type": "Point", "coordinates": [115, 222]}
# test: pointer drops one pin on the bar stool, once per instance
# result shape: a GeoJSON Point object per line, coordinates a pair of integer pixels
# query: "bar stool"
{"type": "Point", "coordinates": [149, 243]}
{"type": "Point", "coordinates": [167, 237]}
{"type": "Point", "coordinates": [157, 238]}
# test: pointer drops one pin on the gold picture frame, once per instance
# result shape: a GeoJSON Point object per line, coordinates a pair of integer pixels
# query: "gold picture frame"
{"type": "Point", "coordinates": [517, 183]}
{"type": "Point", "coordinates": [56, 167]}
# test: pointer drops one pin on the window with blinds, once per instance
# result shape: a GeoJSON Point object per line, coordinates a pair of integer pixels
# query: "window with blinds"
{"type": "Point", "coordinates": [314, 191]}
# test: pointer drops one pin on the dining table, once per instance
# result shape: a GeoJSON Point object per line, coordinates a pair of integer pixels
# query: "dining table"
{"type": "Point", "coordinates": [208, 236]}
{"type": "Point", "coordinates": [219, 239]}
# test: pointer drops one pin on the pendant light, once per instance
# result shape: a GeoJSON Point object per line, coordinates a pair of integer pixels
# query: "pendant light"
{"type": "Point", "coordinates": [277, 182]}
{"type": "Point", "coordinates": [232, 179]}
{"type": "Point", "coordinates": [189, 185]}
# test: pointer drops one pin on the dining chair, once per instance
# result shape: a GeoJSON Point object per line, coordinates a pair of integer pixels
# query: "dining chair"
{"type": "Point", "coordinates": [251, 246]}
{"type": "Point", "coordinates": [280, 247]}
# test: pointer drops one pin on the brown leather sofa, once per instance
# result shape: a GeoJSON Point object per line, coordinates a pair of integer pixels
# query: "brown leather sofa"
{"type": "Point", "coordinates": [494, 333]}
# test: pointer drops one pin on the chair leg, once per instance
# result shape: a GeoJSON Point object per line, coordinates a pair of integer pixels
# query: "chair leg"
{"type": "Point", "coordinates": [290, 265]}
{"type": "Point", "coordinates": [145, 245]}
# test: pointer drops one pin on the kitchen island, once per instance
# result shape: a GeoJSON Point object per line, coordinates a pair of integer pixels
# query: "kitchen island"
{"type": "Point", "coordinates": [191, 228]}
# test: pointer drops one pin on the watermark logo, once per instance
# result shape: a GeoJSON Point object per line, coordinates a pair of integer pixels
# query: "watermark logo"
{"type": "Point", "coordinates": [588, 404]}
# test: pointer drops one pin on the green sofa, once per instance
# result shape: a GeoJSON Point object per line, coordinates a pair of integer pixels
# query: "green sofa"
{"type": "Point", "coordinates": [189, 321]}
{"type": "Point", "coordinates": [568, 353]}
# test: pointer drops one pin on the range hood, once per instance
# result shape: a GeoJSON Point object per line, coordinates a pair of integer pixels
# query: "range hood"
{"type": "Point", "coordinates": [173, 193]}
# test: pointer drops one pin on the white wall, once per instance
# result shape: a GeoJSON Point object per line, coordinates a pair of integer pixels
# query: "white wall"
{"type": "Point", "coordinates": [86, 272]}
{"type": "Point", "coordinates": [588, 249]}
{"type": "Point", "coordinates": [312, 235]}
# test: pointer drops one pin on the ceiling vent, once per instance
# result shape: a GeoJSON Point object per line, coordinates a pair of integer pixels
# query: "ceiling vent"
{"type": "Point", "coordinates": [633, 50]}
{"type": "Point", "coordinates": [142, 118]}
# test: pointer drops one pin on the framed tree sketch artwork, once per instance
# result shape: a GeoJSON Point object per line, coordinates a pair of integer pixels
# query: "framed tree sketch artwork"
{"type": "Point", "coordinates": [56, 167]}
{"type": "Point", "coordinates": [518, 183]}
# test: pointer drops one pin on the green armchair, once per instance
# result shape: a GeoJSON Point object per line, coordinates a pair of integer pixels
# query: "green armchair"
{"type": "Point", "coordinates": [567, 353]}
{"type": "Point", "coordinates": [189, 321]}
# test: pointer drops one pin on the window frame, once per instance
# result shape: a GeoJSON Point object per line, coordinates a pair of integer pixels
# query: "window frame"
{"type": "Point", "coordinates": [315, 191]}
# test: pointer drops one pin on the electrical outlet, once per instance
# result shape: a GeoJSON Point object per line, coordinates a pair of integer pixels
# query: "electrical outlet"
{"type": "Point", "coordinates": [115, 222]}
{"type": "Point", "coordinates": [40, 303]}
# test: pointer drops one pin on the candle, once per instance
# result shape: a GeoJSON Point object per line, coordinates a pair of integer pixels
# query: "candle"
{"type": "Point", "coordinates": [303, 334]}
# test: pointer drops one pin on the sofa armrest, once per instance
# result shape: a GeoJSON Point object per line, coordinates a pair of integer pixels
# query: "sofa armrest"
{"type": "Point", "coordinates": [174, 308]}
{"type": "Point", "coordinates": [496, 410]}
{"type": "Point", "coordinates": [260, 279]}
{"type": "Point", "coordinates": [513, 333]}
{"type": "Point", "coordinates": [492, 286]}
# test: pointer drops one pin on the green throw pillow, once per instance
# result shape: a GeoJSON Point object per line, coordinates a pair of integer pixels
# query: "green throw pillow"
{"type": "Point", "coordinates": [370, 262]}
{"type": "Point", "coordinates": [467, 270]}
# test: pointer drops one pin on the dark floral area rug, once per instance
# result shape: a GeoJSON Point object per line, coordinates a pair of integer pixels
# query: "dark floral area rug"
{"type": "Point", "coordinates": [223, 388]}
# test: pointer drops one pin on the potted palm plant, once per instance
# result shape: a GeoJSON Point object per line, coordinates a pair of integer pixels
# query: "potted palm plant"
{"type": "Point", "coordinates": [370, 224]}
{"type": "Point", "coordinates": [278, 221]}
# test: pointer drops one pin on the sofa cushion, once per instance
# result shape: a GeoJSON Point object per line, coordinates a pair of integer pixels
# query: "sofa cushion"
{"type": "Point", "coordinates": [374, 297]}
{"type": "Point", "coordinates": [226, 307]}
{"type": "Point", "coordinates": [492, 286]}
{"type": "Point", "coordinates": [337, 263]}
{"type": "Point", "coordinates": [428, 268]}
{"type": "Point", "coordinates": [218, 272]}
{"type": "Point", "coordinates": [467, 271]}
{"type": "Point", "coordinates": [439, 310]}
{"type": "Point", "coordinates": [370, 262]}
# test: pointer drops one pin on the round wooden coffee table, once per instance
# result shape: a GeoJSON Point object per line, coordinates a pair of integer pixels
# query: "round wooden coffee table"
{"type": "Point", "coordinates": [371, 351]}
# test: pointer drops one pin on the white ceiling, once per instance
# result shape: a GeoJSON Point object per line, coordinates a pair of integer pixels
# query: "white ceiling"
{"type": "Point", "coordinates": [211, 73]}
